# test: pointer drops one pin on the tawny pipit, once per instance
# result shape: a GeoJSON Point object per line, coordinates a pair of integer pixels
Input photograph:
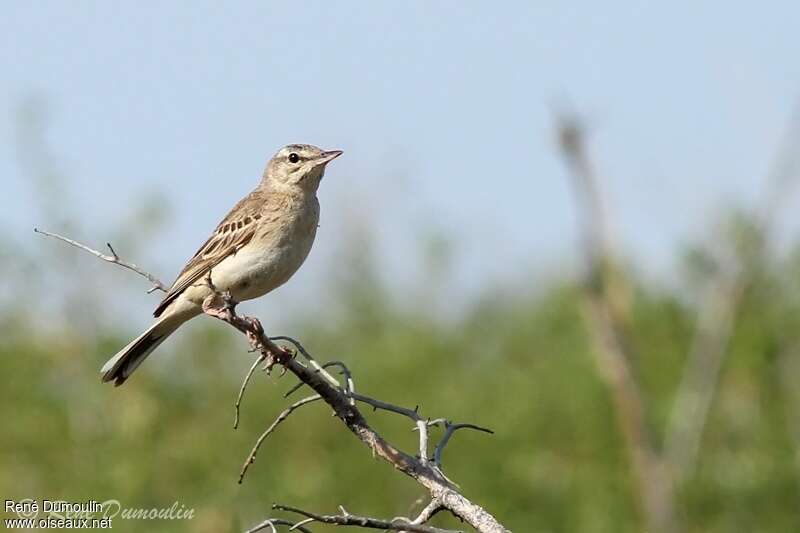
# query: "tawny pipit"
{"type": "Point", "coordinates": [255, 249]}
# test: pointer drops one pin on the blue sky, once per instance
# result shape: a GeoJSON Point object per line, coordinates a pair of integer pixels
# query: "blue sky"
{"type": "Point", "coordinates": [444, 111]}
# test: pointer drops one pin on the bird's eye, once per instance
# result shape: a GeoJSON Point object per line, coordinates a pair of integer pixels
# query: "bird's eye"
{"type": "Point", "coordinates": [294, 158]}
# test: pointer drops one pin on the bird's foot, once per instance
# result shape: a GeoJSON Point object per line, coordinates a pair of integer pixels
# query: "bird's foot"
{"type": "Point", "coordinates": [219, 301]}
{"type": "Point", "coordinates": [221, 306]}
{"type": "Point", "coordinates": [254, 331]}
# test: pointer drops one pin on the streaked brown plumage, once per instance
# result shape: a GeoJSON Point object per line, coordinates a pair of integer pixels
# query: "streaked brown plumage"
{"type": "Point", "coordinates": [256, 248]}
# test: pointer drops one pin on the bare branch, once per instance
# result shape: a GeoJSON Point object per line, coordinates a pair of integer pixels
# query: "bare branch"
{"type": "Point", "coordinates": [313, 362]}
{"type": "Point", "coordinates": [428, 512]}
{"type": "Point", "coordinates": [281, 417]}
{"type": "Point", "coordinates": [113, 258]}
{"type": "Point", "coordinates": [345, 371]}
{"type": "Point", "coordinates": [347, 519]}
{"type": "Point", "coordinates": [449, 429]}
{"type": "Point", "coordinates": [220, 305]}
{"type": "Point", "coordinates": [261, 357]}
{"type": "Point", "coordinates": [272, 522]}
{"type": "Point", "coordinates": [413, 414]}
{"type": "Point", "coordinates": [427, 475]}
{"type": "Point", "coordinates": [348, 376]}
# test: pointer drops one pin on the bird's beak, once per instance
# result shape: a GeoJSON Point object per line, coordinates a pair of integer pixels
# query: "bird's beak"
{"type": "Point", "coordinates": [327, 157]}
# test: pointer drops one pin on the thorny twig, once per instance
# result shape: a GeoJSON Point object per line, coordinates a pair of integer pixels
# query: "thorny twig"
{"type": "Point", "coordinates": [344, 370]}
{"type": "Point", "coordinates": [413, 414]}
{"type": "Point", "coordinates": [449, 429]}
{"type": "Point", "coordinates": [318, 368]}
{"type": "Point", "coordinates": [443, 492]}
{"type": "Point", "coordinates": [281, 417]}
{"type": "Point", "coordinates": [261, 357]}
{"type": "Point", "coordinates": [328, 389]}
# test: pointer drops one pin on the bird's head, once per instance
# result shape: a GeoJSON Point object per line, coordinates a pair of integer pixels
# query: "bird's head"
{"type": "Point", "coordinates": [298, 167]}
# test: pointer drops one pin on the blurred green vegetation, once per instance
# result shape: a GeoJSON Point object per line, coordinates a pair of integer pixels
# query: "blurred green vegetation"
{"type": "Point", "coordinates": [516, 360]}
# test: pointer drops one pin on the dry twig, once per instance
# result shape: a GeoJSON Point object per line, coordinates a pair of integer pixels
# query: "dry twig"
{"type": "Point", "coordinates": [347, 519]}
{"type": "Point", "coordinates": [449, 429]}
{"type": "Point", "coordinates": [428, 512]}
{"type": "Point", "coordinates": [113, 258]}
{"type": "Point", "coordinates": [261, 357]}
{"type": "Point", "coordinates": [281, 417]}
{"type": "Point", "coordinates": [272, 522]}
{"type": "Point", "coordinates": [428, 475]}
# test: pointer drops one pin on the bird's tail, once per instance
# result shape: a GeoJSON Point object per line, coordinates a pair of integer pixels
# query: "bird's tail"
{"type": "Point", "coordinates": [122, 365]}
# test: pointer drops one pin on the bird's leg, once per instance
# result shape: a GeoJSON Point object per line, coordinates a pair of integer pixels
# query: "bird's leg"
{"type": "Point", "coordinates": [255, 331]}
{"type": "Point", "coordinates": [220, 305]}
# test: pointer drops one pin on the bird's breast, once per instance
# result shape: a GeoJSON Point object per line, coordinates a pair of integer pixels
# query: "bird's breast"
{"type": "Point", "coordinates": [278, 248]}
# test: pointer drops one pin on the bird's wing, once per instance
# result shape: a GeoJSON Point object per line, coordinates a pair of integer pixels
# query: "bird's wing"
{"type": "Point", "coordinates": [235, 231]}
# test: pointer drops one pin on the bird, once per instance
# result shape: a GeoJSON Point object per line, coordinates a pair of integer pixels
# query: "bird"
{"type": "Point", "coordinates": [256, 248]}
